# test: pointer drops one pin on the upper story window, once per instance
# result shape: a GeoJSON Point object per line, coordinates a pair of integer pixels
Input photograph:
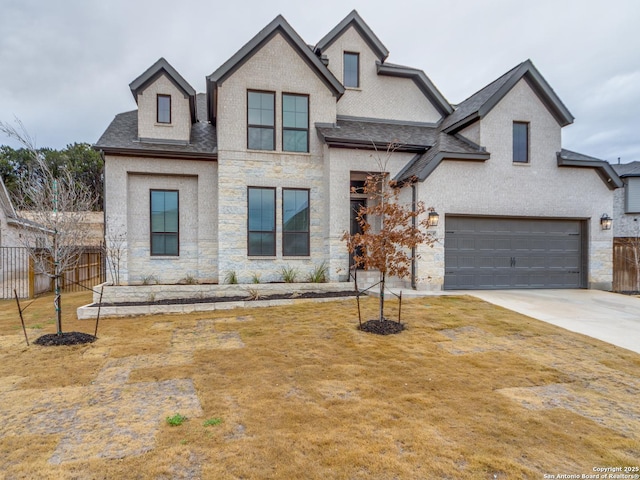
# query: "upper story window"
{"type": "Point", "coordinates": [351, 70]}
{"type": "Point", "coordinates": [261, 120]}
{"type": "Point", "coordinates": [632, 195]}
{"type": "Point", "coordinates": [164, 222]}
{"type": "Point", "coordinates": [520, 142]}
{"type": "Point", "coordinates": [295, 123]}
{"type": "Point", "coordinates": [164, 109]}
{"type": "Point", "coordinates": [261, 221]}
{"type": "Point", "coordinates": [295, 222]}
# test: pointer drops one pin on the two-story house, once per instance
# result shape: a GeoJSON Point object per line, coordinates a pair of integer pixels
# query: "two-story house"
{"type": "Point", "coordinates": [256, 174]}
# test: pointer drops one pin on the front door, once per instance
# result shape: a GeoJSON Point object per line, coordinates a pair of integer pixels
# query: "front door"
{"type": "Point", "coordinates": [356, 205]}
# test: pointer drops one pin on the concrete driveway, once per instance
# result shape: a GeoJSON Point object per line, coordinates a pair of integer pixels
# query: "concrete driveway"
{"type": "Point", "coordinates": [606, 316]}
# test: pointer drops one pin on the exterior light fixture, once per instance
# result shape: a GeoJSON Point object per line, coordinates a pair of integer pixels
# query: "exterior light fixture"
{"type": "Point", "coordinates": [433, 218]}
{"type": "Point", "coordinates": [605, 222]}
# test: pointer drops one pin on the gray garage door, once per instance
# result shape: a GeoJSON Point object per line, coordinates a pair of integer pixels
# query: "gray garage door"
{"type": "Point", "coordinates": [490, 253]}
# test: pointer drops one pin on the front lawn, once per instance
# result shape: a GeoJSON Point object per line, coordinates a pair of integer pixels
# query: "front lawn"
{"type": "Point", "coordinates": [468, 390]}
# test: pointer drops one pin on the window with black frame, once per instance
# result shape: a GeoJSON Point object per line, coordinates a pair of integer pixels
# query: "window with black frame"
{"type": "Point", "coordinates": [295, 222]}
{"type": "Point", "coordinates": [520, 142]}
{"type": "Point", "coordinates": [164, 222]}
{"type": "Point", "coordinates": [295, 123]}
{"type": "Point", "coordinates": [260, 120]}
{"type": "Point", "coordinates": [261, 222]}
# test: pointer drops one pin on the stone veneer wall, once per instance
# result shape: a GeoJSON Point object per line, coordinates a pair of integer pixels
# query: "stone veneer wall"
{"type": "Point", "coordinates": [500, 187]}
{"type": "Point", "coordinates": [278, 68]}
{"type": "Point", "coordinates": [129, 217]}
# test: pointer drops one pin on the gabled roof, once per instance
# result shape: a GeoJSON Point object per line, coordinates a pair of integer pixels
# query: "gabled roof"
{"type": "Point", "coordinates": [278, 26]}
{"type": "Point", "coordinates": [446, 147]}
{"type": "Point", "coordinates": [157, 69]}
{"type": "Point", "coordinates": [422, 81]}
{"type": "Point", "coordinates": [355, 20]}
{"type": "Point", "coordinates": [482, 102]}
{"type": "Point", "coordinates": [567, 158]}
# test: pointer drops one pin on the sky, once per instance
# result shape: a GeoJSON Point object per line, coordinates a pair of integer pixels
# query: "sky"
{"type": "Point", "coordinates": [65, 66]}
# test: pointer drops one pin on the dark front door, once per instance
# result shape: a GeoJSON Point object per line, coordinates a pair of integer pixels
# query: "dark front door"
{"type": "Point", "coordinates": [356, 205]}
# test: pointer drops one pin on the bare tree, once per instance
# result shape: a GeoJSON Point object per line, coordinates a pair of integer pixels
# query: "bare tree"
{"type": "Point", "coordinates": [389, 248]}
{"type": "Point", "coordinates": [114, 250]}
{"type": "Point", "coordinates": [58, 207]}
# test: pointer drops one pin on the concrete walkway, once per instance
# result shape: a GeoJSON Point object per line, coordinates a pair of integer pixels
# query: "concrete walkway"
{"type": "Point", "coordinates": [610, 317]}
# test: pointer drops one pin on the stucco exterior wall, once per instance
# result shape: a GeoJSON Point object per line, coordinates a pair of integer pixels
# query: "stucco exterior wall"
{"type": "Point", "coordinates": [279, 68]}
{"type": "Point", "coordinates": [502, 188]}
{"type": "Point", "coordinates": [378, 96]}
{"type": "Point", "coordinates": [127, 206]}
{"type": "Point", "coordinates": [180, 127]}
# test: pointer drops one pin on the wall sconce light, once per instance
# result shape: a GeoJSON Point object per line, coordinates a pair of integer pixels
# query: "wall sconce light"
{"type": "Point", "coordinates": [605, 222]}
{"type": "Point", "coordinates": [433, 218]}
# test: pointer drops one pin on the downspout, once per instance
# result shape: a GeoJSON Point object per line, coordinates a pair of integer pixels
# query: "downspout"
{"type": "Point", "coordinates": [413, 249]}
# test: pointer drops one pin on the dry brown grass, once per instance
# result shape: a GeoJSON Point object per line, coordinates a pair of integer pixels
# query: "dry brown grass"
{"type": "Point", "coordinates": [468, 391]}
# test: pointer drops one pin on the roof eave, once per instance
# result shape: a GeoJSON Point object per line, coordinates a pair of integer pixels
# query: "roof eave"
{"type": "Point", "coordinates": [337, 142]}
{"type": "Point", "coordinates": [134, 152]}
{"type": "Point", "coordinates": [278, 25]}
{"type": "Point", "coordinates": [365, 31]}
{"type": "Point", "coordinates": [604, 169]}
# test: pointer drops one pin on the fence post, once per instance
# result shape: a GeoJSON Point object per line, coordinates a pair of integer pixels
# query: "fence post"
{"type": "Point", "coordinates": [32, 278]}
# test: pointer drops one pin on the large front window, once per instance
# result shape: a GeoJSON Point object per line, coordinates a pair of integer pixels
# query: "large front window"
{"type": "Point", "coordinates": [260, 120]}
{"type": "Point", "coordinates": [295, 123]}
{"type": "Point", "coordinates": [164, 222]}
{"type": "Point", "coordinates": [520, 142]}
{"type": "Point", "coordinates": [295, 222]}
{"type": "Point", "coordinates": [262, 221]}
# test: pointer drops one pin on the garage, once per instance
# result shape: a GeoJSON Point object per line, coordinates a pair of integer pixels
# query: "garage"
{"type": "Point", "coordinates": [495, 252]}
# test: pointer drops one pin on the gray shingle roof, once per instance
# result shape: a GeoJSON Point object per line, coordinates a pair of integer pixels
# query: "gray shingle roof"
{"type": "Point", "coordinates": [367, 133]}
{"type": "Point", "coordinates": [446, 147]}
{"type": "Point", "coordinates": [481, 102]}
{"type": "Point", "coordinates": [631, 169]}
{"type": "Point", "coordinates": [122, 135]}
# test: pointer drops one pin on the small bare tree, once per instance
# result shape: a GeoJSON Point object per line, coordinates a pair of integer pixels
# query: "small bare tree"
{"type": "Point", "coordinates": [389, 249]}
{"type": "Point", "coordinates": [114, 250]}
{"type": "Point", "coordinates": [58, 206]}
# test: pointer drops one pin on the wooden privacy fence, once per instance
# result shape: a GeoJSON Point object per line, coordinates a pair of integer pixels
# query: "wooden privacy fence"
{"type": "Point", "coordinates": [625, 266]}
{"type": "Point", "coordinates": [17, 272]}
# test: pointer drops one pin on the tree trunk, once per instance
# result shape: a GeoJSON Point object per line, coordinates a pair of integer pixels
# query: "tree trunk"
{"type": "Point", "coordinates": [57, 303]}
{"type": "Point", "coordinates": [382, 278]}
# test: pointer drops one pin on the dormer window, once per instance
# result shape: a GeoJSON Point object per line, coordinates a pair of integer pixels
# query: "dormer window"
{"type": "Point", "coordinates": [164, 109]}
{"type": "Point", "coordinates": [351, 73]}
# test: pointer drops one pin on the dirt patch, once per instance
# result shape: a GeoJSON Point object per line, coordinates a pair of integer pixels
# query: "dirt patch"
{"type": "Point", "coordinates": [65, 338]}
{"type": "Point", "coordinates": [382, 327]}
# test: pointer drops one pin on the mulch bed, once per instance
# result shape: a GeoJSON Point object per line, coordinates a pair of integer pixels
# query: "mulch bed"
{"type": "Point", "coordinates": [65, 338]}
{"type": "Point", "coordinates": [236, 298]}
{"type": "Point", "coordinates": [382, 327]}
